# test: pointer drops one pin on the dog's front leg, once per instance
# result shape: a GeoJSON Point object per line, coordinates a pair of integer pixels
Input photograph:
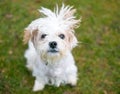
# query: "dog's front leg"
{"type": "Point", "coordinates": [72, 76]}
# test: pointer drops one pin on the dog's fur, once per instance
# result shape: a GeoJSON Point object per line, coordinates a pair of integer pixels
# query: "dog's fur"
{"type": "Point", "coordinates": [54, 65]}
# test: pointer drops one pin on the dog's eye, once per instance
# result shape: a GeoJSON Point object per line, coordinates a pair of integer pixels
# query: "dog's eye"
{"type": "Point", "coordinates": [43, 36]}
{"type": "Point", "coordinates": [62, 36]}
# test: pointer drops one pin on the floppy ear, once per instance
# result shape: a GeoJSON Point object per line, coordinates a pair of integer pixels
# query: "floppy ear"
{"type": "Point", "coordinates": [72, 40]}
{"type": "Point", "coordinates": [29, 36]}
{"type": "Point", "coordinates": [31, 31]}
{"type": "Point", "coordinates": [34, 36]}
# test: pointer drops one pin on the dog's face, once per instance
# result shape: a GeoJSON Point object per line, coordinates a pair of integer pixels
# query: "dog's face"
{"type": "Point", "coordinates": [53, 43]}
{"type": "Point", "coordinates": [53, 37]}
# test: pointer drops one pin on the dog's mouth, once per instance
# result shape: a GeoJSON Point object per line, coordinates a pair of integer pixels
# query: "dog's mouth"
{"type": "Point", "coordinates": [53, 51]}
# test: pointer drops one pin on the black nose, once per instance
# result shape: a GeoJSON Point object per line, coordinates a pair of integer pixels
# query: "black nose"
{"type": "Point", "coordinates": [53, 44]}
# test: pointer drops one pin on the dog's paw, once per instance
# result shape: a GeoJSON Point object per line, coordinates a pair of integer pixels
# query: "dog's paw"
{"type": "Point", "coordinates": [72, 81]}
{"type": "Point", "coordinates": [38, 86]}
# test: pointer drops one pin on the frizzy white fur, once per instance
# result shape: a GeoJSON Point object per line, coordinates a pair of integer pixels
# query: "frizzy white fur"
{"type": "Point", "coordinates": [54, 64]}
{"type": "Point", "coordinates": [63, 17]}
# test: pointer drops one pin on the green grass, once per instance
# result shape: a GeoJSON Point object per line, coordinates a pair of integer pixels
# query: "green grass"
{"type": "Point", "coordinates": [97, 58]}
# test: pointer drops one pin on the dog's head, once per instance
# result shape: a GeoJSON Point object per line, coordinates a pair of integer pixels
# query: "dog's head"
{"type": "Point", "coordinates": [53, 35]}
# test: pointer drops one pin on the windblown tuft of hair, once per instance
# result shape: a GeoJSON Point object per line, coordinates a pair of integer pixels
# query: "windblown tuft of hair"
{"type": "Point", "coordinates": [63, 16]}
{"type": "Point", "coordinates": [60, 19]}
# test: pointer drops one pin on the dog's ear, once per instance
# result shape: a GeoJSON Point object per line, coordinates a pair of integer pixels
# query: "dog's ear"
{"type": "Point", "coordinates": [34, 36]}
{"type": "Point", "coordinates": [29, 35]}
{"type": "Point", "coordinates": [72, 40]}
{"type": "Point", "coordinates": [31, 31]}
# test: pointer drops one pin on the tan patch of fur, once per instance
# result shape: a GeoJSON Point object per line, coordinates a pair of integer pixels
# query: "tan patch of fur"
{"type": "Point", "coordinates": [33, 37]}
{"type": "Point", "coordinates": [27, 36]}
{"type": "Point", "coordinates": [71, 39]}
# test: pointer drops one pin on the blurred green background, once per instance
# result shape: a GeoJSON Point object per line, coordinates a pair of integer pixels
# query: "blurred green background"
{"type": "Point", "coordinates": [97, 57]}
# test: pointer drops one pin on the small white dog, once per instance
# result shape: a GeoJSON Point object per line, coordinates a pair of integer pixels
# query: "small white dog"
{"type": "Point", "coordinates": [51, 39]}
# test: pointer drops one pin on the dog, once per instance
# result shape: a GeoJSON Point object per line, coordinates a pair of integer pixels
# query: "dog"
{"type": "Point", "coordinates": [51, 39]}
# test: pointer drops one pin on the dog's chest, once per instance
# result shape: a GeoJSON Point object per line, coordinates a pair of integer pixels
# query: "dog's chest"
{"type": "Point", "coordinates": [54, 70]}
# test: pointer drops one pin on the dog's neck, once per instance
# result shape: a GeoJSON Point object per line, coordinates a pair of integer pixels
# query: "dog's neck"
{"type": "Point", "coordinates": [53, 60]}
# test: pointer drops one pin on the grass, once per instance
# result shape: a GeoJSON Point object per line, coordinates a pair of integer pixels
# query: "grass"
{"type": "Point", "coordinates": [97, 57]}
